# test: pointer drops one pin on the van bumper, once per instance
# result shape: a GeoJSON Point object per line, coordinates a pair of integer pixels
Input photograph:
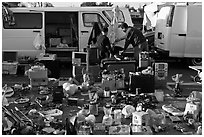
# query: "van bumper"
{"type": "Point", "coordinates": [161, 52]}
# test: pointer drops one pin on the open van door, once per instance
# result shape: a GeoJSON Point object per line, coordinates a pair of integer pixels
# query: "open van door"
{"type": "Point", "coordinates": [87, 20]}
{"type": "Point", "coordinates": [20, 36]}
{"type": "Point", "coordinates": [163, 28]}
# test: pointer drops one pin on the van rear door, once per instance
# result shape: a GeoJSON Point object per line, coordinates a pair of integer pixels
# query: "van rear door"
{"type": "Point", "coordinates": [20, 37]}
{"type": "Point", "coordinates": [163, 28]}
{"type": "Point", "coordinates": [193, 45]}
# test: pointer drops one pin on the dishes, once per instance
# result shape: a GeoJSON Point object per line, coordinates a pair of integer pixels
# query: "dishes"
{"type": "Point", "coordinates": [44, 92]}
{"type": "Point", "coordinates": [22, 100]}
{"type": "Point", "coordinates": [9, 92]}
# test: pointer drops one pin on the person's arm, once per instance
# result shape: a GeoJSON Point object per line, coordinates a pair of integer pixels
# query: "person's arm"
{"type": "Point", "coordinates": [123, 37]}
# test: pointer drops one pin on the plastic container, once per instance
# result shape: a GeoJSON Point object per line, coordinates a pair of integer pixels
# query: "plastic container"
{"type": "Point", "coordinates": [9, 67]}
{"type": "Point", "coordinates": [159, 94]}
{"type": "Point", "coordinates": [117, 116]}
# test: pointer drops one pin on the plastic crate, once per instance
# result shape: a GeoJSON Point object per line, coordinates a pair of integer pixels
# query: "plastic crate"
{"type": "Point", "coordinates": [9, 67]}
{"type": "Point", "coordinates": [38, 82]}
{"type": "Point", "coordinates": [38, 74]}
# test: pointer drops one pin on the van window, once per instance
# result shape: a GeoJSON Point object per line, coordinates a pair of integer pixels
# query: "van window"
{"type": "Point", "coordinates": [26, 21]}
{"type": "Point", "coordinates": [90, 18]}
{"type": "Point", "coordinates": [109, 15]}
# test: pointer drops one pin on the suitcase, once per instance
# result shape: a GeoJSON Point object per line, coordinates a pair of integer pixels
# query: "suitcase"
{"type": "Point", "coordinates": [127, 65]}
{"type": "Point", "coordinates": [53, 67]}
{"type": "Point", "coordinates": [144, 82]}
{"type": "Point", "coordinates": [95, 71]}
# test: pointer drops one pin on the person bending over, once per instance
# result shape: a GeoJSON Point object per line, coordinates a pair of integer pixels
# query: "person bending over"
{"type": "Point", "coordinates": [135, 37]}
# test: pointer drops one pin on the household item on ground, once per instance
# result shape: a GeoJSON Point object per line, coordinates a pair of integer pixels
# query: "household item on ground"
{"type": "Point", "coordinates": [140, 118]}
{"type": "Point", "coordinates": [22, 100]}
{"type": "Point", "coordinates": [172, 110]}
{"type": "Point", "coordinates": [160, 73]}
{"type": "Point", "coordinates": [119, 130]}
{"type": "Point", "coordinates": [78, 74]}
{"type": "Point", "coordinates": [144, 59]}
{"type": "Point", "coordinates": [52, 113]}
{"type": "Point", "coordinates": [93, 108]}
{"type": "Point", "coordinates": [52, 65]}
{"type": "Point", "coordinates": [7, 91]}
{"type": "Point", "coordinates": [46, 56]}
{"type": "Point", "coordinates": [141, 130]}
{"type": "Point", "coordinates": [128, 110]}
{"type": "Point", "coordinates": [177, 90]}
{"type": "Point", "coordinates": [159, 94]}
{"type": "Point", "coordinates": [175, 119]}
{"type": "Point", "coordinates": [90, 120]}
{"type": "Point", "coordinates": [9, 67]}
{"type": "Point", "coordinates": [107, 120]}
{"type": "Point", "coordinates": [69, 89]}
{"type": "Point", "coordinates": [58, 94]}
{"type": "Point", "coordinates": [127, 65]}
{"type": "Point", "coordinates": [197, 78]}
{"type": "Point", "coordinates": [141, 81]}
{"type": "Point", "coordinates": [194, 96]}
{"type": "Point", "coordinates": [117, 116]}
{"type": "Point", "coordinates": [193, 108]}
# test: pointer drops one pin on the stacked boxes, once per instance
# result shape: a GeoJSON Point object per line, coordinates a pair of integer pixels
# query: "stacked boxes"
{"type": "Point", "coordinates": [38, 76]}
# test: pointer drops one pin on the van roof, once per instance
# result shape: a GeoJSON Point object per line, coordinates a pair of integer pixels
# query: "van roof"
{"type": "Point", "coordinates": [98, 8]}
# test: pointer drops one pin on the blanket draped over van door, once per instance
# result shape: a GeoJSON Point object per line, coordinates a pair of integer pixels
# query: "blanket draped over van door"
{"type": "Point", "coordinates": [38, 42]}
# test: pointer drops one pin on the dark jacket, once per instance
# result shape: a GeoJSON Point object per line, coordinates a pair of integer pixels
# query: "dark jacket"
{"type": "Point", "coordinates": [134, 37]}
{"type": "Point", "coordinates": [104, 47]}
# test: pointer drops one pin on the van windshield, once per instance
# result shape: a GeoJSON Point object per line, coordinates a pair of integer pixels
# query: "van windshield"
{"type": "Point", "coordinates": [109, 15]}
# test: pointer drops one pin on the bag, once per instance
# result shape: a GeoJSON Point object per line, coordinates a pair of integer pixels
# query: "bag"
{"type": "Point", "coordinates": [38, 42]}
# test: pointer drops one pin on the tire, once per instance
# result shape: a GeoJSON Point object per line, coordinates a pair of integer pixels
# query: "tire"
{"type": "Point", "coordinates": [195, 61]}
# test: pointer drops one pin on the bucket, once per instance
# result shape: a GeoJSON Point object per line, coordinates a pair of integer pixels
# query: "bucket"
{"type": "Point", "coordinates": [159, 95]}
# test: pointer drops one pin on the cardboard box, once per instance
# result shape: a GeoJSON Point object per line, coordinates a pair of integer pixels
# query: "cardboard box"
{"type": "Point", "coordinates": [54, 42]}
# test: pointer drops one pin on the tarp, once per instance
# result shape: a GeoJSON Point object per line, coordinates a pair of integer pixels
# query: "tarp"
{"type": "Point", "coordinates": [150, 16]}
{"type": "Point", "coordinates": [114, 31]}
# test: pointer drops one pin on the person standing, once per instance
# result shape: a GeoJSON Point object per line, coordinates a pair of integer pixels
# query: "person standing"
{"type": "Point", "coordinates": [104, 46]}
{"type": "Point", "coordinates": [135, 37]}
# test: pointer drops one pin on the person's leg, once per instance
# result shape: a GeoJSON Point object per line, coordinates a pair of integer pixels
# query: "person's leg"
{"type": "Point", "coordinates": [144, 46]}
{"type": "Point", "coordinates": [116, 50]}
{"type": "Point", "coordinates": [136, 53]}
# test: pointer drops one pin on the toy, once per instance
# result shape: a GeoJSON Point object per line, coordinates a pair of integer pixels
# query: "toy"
{"type": "Point", "coordinates": [177, 90]}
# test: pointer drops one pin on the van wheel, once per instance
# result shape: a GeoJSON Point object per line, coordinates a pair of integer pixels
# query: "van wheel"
{"type": "Point", "coordinates": [195, 61]}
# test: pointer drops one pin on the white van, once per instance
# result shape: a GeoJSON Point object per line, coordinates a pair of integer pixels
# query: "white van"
{"type": "Point", "coordinates": [178, 32]}
{"type": "Point", "coordinates": [52, 24]}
